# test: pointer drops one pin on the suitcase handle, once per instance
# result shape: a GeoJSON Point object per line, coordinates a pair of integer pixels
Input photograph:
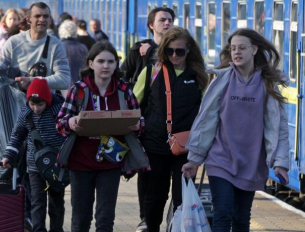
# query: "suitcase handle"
{"type": "Point", "coordinates": [15, 175]}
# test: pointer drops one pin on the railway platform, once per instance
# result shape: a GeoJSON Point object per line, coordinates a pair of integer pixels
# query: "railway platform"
{"type": "Point", "coordinates": [269, 214]}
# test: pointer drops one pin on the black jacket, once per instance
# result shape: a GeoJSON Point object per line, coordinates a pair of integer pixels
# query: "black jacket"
{"type": "Point", "coordinates": [87, 40]}
{"type": "Point", "coordinates": [100, 35]}
{"type": "Point", "coordinates": [76, 55]}
{"type": "Point", "coordinates": [186, 98]}
{"type": "Point", "coordinates": [134, 63]}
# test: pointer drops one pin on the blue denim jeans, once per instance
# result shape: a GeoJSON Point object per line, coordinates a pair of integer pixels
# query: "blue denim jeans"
{"type": "Point", "coordinates": [83, 187]}
{"type": "Point", "coordinates": [39, 205]}
{"type": "Point", "coordinates": [232, 206]}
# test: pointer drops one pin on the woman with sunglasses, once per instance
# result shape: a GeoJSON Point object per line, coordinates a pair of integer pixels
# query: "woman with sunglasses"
{"type": "Point", "coordinates": [245, 128]}
{"type": "Point", "coordinates": [180, 53]}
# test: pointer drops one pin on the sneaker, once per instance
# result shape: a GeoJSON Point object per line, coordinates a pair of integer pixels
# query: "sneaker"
{"type": "Point", "coordinates": [142, 227]}
{"type": "Point", "coordinates": [28, 226]}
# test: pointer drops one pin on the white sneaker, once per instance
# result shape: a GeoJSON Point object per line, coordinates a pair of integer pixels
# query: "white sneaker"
{"type": "Point", "coordinates": [142, 227]}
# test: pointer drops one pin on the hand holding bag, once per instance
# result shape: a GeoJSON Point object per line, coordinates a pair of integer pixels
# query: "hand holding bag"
{"type": "Point", "coordinates": [176, 141]}
{"type": "Point", "coordinates": [193, 215]}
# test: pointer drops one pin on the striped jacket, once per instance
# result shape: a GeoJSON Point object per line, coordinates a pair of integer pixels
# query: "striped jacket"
{"type": "Point", "coordinates": [45, 125]}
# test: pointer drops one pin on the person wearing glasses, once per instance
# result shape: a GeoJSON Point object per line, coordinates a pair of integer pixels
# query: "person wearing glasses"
{"type": "Point", "coordinates": [180, 53]}
{"type": "Point", "coordinates": [141, 54]}
{"type": "Point", "coordinates": [241, 129]}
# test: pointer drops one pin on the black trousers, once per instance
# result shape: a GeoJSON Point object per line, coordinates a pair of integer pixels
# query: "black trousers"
{"type": "Point", "coordinates": [39, 202]}
{"type": "Point", "coordinates": [142, 190]}
{"type": "Point", "coordinates": [164, 169]}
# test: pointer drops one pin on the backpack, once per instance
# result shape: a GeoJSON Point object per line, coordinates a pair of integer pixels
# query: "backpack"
{"type": "Point", "coordinates": [150, 77]}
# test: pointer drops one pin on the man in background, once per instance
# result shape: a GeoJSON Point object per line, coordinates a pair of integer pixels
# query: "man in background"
{"type": "Point", "coordinates": [82, 34]}
{"type": "Point", "coordinates": [24, 50]}
{"type": "Point", "coordinates": [95, 27]}
{"type": "Point", "coordinates": [140, 55]}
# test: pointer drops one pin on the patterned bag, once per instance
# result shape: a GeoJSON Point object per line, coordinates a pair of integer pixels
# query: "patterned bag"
{"type": "Point", "coordinates": [111, 149]}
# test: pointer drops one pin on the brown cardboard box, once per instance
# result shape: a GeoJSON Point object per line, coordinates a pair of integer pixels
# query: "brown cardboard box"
{"type": "Point", "coordinates": [96, 123]}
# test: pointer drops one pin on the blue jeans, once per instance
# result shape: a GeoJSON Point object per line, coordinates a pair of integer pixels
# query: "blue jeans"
{"type": "Point", "coordinates": [232, 206]}
{"type": "Point", "coordinates": [39, 206]}
{"type": "Point", "coordinates": [83, 187]}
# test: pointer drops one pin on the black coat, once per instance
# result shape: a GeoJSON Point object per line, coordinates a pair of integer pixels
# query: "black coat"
{"type": "Point", "coordinates": [186, 99]}
{"type": "Point", "coordinates": [76, 55]}
{"type": "Point", "coordinates": [134, 63]}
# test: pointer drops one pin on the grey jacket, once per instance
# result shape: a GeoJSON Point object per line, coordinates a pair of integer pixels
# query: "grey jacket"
{"type": "Point", "coordinates": [205, 125]}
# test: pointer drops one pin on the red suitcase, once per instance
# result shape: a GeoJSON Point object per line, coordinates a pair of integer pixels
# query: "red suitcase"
{"type": "Point", "coordinates": [12, 205]}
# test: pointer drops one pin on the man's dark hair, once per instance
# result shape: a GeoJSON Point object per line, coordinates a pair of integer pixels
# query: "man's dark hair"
{"type": "Point", "coordinates": [82, 24]}
{"type": "Point", "coordinates": [153, 12]}
{"type": "Point", "coordinates": [40, 5]}
{"type": "Point", "coordinates": [64, 16]}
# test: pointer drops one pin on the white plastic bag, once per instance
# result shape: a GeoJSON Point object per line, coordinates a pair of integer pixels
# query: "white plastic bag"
{"type": "Point", "coordinates": [193, 215]}
{"type": "Point", "coordinates": [176, 221]}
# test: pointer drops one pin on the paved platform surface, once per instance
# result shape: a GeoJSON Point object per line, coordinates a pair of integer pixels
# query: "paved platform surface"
{"type": "Point", "coordinates": [268, 213]}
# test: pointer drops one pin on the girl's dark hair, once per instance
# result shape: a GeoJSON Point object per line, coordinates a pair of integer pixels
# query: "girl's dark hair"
{"type": "Point", "coordinates": [194, 59]}
{"type": "Point", "coordinates": [95, 50]}
{"type": "Point", "coordinates": [267, 59]}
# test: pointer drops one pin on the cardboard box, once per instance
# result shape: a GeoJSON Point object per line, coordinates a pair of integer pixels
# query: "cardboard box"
{"type": "Point", "coordinates": [96, 123]}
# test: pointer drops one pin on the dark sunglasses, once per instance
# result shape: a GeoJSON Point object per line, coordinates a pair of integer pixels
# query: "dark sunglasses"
{"type": "Point", "coordinates": [178, 51]}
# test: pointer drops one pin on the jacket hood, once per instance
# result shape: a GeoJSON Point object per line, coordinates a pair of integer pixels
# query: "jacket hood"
{"type": "Point", "coordinates": [111, 89]}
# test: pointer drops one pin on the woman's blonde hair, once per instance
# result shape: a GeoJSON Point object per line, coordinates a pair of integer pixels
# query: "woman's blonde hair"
{"type": "Point", "coordinates": [194, 59]}
{"type": "Point", "coordinates": [3, 19]}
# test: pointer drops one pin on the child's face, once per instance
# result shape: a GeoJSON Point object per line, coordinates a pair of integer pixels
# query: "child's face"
{"type": "Point", "coordinates": [103, 65]}
{"type": "Point", "coordinates": [38, 108]}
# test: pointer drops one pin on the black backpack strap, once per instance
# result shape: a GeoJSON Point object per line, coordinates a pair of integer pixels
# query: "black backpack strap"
{"type": "Point", "coordinates": [46, 48]}
{"type": "Point", "coordinates": [36, 138]}
{"type": "Point", "coordinates": [149, 53]}
{"type": "Point", "coordinates": [29, 119]}
{"type": "Point", "coordinates": [146, 88]}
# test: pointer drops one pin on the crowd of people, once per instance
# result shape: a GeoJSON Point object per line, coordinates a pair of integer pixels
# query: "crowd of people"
{"type": "Point", "coordinates": [70, 60]}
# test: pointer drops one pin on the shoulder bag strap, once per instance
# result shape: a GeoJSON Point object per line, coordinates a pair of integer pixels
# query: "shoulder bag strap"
{"type": "Point", "coordinates": [146, 88]}
{"type": "Point", "coordinates": [46, 48]}
{"type": "Point", "coordinates": [168, 100]}
{"type": "Point", "coordinates": [36, 138]}
{"type": "Point", "coordinates": [122, 100]}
